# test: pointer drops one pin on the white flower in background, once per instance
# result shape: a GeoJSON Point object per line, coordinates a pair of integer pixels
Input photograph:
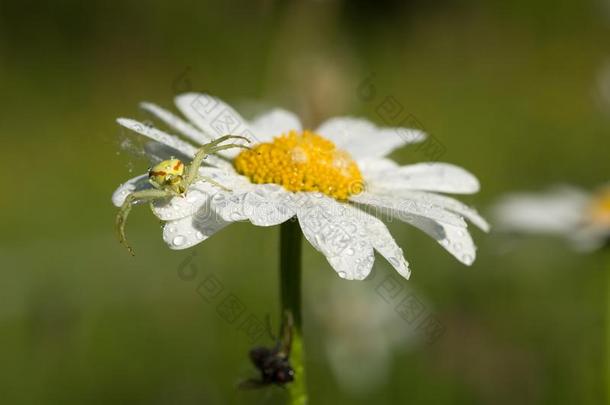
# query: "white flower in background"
{"type": "Point", "coordinates": [603, 85]}
{"type": "Point", "coordinates": [583, 218]}
{"type": "Point", "coordinates": [360, 353]}
{"type": "Point", "coordinates": [331, 179]}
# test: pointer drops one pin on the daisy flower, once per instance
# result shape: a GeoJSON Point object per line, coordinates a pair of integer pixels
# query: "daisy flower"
{"type": "Point", "coordinates": [336, 181]}
{"type": "Point", "coordinates": [349, 342]}
{"type": "Point", "coordinates": [581, 217]}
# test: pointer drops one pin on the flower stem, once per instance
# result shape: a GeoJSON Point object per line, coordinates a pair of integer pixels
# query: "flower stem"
{"type": "Point", "coordinates": [606, 268]}
{"type": "Point", "coordinates": [290, 293]}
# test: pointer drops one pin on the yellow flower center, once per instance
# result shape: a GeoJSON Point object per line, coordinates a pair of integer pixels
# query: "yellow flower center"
{"type": "Point", "coordinates": [302, 162]}
{"type": "Point", "coordinates": [599, 209]}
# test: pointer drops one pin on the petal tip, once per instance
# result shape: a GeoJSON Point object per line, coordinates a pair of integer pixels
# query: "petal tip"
{"type": "Point", "coordinates": [186, 97]}
{"type": "Point", "coordinates": [146, 105]}
{"type": "Point", "coordinates": [467, 260]}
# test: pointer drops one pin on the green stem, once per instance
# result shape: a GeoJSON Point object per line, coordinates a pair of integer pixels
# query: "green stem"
{"type": "Point", "coordinates": [290, 293]}
{"type": "Point", "coordinates": [606, 268]}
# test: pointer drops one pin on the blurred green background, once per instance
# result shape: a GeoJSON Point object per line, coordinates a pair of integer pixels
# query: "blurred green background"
{"type": "Point", "coordinates": [511, 90]}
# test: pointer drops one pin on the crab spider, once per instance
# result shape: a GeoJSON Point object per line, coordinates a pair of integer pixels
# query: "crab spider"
{"type": "Point", "coordinates": [171, 178]}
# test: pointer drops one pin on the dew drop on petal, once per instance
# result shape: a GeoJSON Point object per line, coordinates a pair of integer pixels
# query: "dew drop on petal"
{"type": "Point", "coordinates": [342, 274]}
{"type": "Point", "coordinates": [199, 235]}
{"type": "Point", "coordinates": [179, 240]}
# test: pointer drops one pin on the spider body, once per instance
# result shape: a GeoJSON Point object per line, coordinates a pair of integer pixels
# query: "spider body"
{"type": "Point", "coordinates": [168, 173]}
{"type": "Point", "coordinates": [171, 178]}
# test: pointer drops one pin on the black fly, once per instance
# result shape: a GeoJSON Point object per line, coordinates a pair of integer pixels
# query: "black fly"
{"type": "Point", "coordinates": [273, 363]}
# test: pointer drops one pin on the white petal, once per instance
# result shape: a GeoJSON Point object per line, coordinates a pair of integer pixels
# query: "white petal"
{"type": "Point", "coordinates": [186, 129]}
{"type": "Point", "coordinates": [456, 240]}
{"type": "Point", "coordinates": [159, 136]}
{"type": "Point", "coordinates": [334, 230]}
{"type": "Point", "coordinates": [406, 207]}
{"type": "Point", "coordinates": [372, 167]}
{"type": "Point", "coordinates": [189, 231]}
{"type": "Point", "coordinates": [262, 205]}
{"type": "Point", "coordinates": [274, 123]}
{"type": "Point", "coordinates": [383, 242]}
{"type": "Point", "coordinates": [589, 238]}
{"type": "Point", "coordinates": [176, 123]}
{"type": "Point", "coordinates": [229, 205]}
{"type": "Point", "coordinates": [440, 177]}
{"type": "Point", "coordinates": [267, 204]}
{"type": "Point", "coordinates": [442, 201]}
{"type": "Point", "coordinates": [363, 139]}
{"type": "Point", "coordinates": [157, 152]}
{"type": "Point", "coordinates": [131, 185]}
{"type": "Point", "coordinates": [556, 211]}
{"type": "Point", "coordinates": [214, 117]}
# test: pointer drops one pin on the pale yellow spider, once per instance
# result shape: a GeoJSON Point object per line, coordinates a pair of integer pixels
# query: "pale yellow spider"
{"type": "Point", "coordinates": [171, 178]}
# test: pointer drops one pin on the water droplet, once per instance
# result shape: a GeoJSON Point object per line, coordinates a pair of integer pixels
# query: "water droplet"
{"type": "Point", "coordinates": [199, 235]}
{"type": "Point", "coordinates": [342, 274]}
{"type": "Point", "coordinates": [349, 251]}
{"type": "Point", "coordinates": [179, 240]}
{"type": "Point", "coordinates": [172, 229]}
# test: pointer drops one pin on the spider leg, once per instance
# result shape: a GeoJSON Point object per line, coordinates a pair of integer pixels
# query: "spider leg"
{"type": "Point", "coordinates": [223, 138]}
{"type": "Point", "coordinates": [270, 328]}
{"type": "Point", "coordinates": [229, 146]}
{"type": "Point", "coordinates": [286, 330]}
{"type": "Point", "coordinates": [211, 181]}
{"type": "Point", "coordinates": [209, 148]}
{"type": "Point", "coordinates": [121, 217]}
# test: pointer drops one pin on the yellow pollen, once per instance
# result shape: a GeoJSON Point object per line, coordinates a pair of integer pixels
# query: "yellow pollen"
{"type": "Point", "coordinates": [599, 208]}
{"type": "Point", "coordinates": [302, 162]}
